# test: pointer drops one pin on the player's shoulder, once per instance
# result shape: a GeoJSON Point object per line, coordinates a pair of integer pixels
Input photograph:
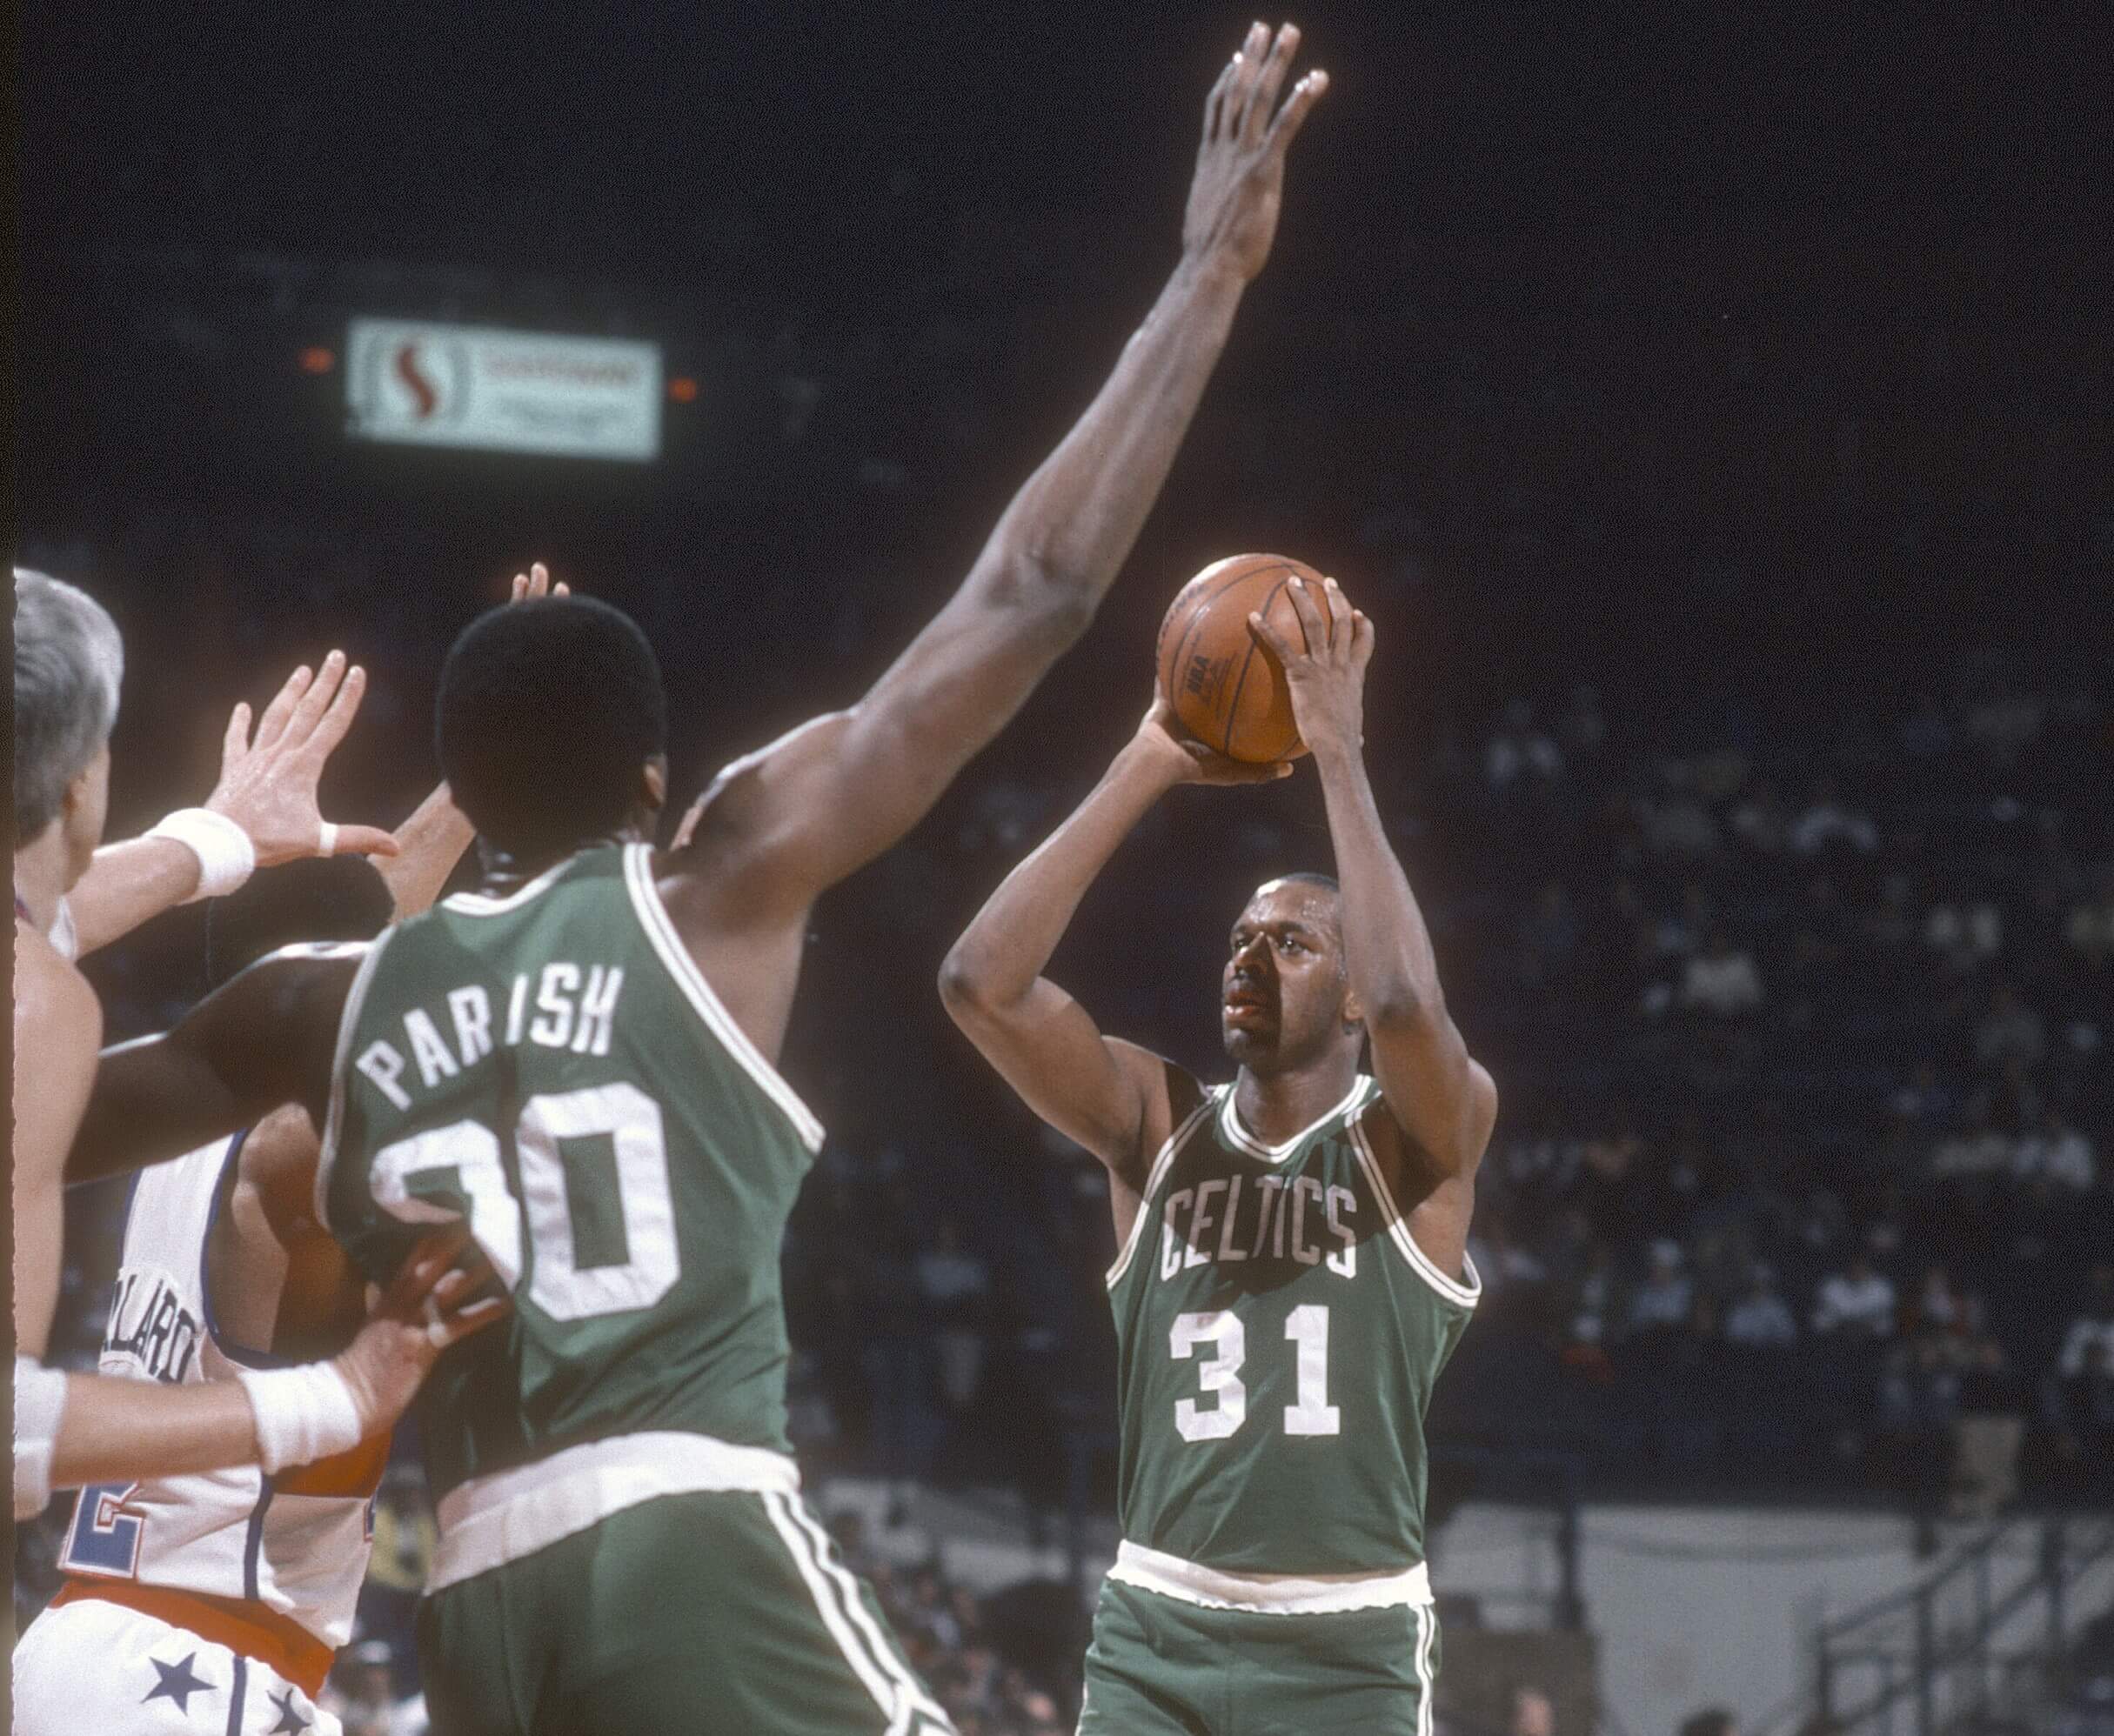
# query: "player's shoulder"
{"type": "Point", "coordinates": [53, 999]}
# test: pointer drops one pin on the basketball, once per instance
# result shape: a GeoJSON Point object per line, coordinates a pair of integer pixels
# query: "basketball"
{"type": "Point", "coordinates": [1225, 685]}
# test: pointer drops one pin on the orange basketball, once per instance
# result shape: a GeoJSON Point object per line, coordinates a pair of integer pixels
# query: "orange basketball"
{"type": "Point", "coordinates": [1226, 686]}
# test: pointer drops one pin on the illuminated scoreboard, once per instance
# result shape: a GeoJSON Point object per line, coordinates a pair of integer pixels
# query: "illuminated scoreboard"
{"type": "Point", "coordinates": [425, 384]}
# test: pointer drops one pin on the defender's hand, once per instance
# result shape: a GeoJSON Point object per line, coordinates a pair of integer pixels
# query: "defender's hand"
{"type": "Point", "coordinates": [1180, 758]}
{"type": "Point", "coordinates": [268, 784]}
{"type": "Point", "coordinates": [443, 1294]}
{"type": "Point", "coordinates": [535, 583]}
{"type": "Point", "coordinates": [1324, 672]}
{"type": "Point", "coordinates": [1241, 165]}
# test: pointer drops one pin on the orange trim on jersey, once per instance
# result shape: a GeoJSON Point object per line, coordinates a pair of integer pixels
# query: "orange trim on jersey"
{"type": "Point", "coordinates": [355, 1474]}
{"type": "Point", "coordinates": [276, 1641]}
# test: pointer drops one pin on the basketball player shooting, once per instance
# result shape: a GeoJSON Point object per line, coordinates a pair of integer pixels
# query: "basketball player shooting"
{"type": "Point", "coordinates": [1292, 1272]}
{"type": "Point", "coordinates": [579, 1060]}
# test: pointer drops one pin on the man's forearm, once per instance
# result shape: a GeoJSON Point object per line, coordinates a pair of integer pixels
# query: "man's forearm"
{"type": "Point", "coordinates": [1002, 952]}
{"type": "Point", "coordinates": [126, 884]}
{"type": "Point", "coordinates": [429, 845]}
{"type": "Point", "coordinates": [1393, 969]}
{"type": "Point", "coordinates": [1077, 517]}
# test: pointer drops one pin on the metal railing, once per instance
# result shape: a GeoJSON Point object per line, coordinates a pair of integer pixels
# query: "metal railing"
{"type": "Point", "coordinates": [1975, 1640]}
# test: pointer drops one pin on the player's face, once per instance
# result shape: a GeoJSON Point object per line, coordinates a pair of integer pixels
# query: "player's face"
{"type": "Point", "coordinates": [1283, 997]}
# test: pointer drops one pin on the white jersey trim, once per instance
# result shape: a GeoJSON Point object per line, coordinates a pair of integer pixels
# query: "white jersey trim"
{"type": "Point", "coordinates": [483, 903]}
{"type": "Point", "coordinates": [660, 929]}
{"type": "Point", "coordinates": [1153, 1177]}
{"type": "Point", "coordinates": [1270, 1593]}
{"type": "Point", "coordinates": [333, 1121]}
{"type": "Point", "coordinates": [489, 1521]}
{"type": "Point", "coordinates": [1462, 1294]}
{"type": "Point", "coordinates": [1229, 1123]}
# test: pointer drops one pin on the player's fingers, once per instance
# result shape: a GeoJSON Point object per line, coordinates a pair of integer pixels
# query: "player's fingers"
{"type": "Point", "coordinates": [1262, 100]}
{"type": "Point", "coordinates": [315, 704]}
{"type": "Point", "coordinates": [561, 589]}
{"type": "Point", "coordinates": [1293, 115]}
{"type": "Point", "coordinates": [1340, 613]}
{"type": "Point", "coordinates": [428, 1263]}
{"type": "Point", "coordinates": [1361, 639]}
{"type": "Point", "coordinates": [520, 588]}
{"type": "Point", "coordinates": [365, 840]}
{"type": "Point", "coordinates": [1270, 638]}
{"type": "Point", "coordinates": [1313, 623]}
{"type": "Point", "coordinates": [1214, 104]}
{"type": "Point", "coordinates": [236, 743]}
{"type": "Point", "coordinates": [272, 725]}
{"type": "Point", "coordinates": [1247, 67]}
{"type": "Point", "coordinates": [540, 579]}
{"type": "Point", "coordinates": [330, 729]}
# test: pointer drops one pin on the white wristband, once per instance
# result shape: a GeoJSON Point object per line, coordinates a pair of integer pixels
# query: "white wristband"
{"type": "Point", "coordinates": [226, 856]}
{"type": "Point", "coordinates": [302, 1413]}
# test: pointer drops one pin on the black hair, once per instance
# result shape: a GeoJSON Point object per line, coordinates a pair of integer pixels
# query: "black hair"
{"type": "Point", "coordinates": [546, 711]}
{"type": "Point", "coordinates": [1308, 877]}
{"type": "Point", "coordinates": [329, 898]}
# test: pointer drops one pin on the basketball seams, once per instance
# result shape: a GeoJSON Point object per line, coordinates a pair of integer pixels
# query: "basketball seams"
{"type": "Point", "coordinates": [1170, 670]}
{"type": "Point", "coordinates": [1232, 706]}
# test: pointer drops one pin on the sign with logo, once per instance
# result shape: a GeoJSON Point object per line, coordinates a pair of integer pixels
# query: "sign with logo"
{"type": "Point", "coordinates": [478, 387]}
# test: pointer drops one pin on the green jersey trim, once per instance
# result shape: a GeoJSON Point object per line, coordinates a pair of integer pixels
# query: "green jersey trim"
{"type": "Point", "coordinates": [1237, 1135]}
{"type": "Point", "coordinates": [1460, 1293]}
{"type": "Point", "coordinates": [341, 1064]}
{"type": "Point", "coordinates": [675, 958]}
{"type": "Point", "coordinates": [1153, 1177]}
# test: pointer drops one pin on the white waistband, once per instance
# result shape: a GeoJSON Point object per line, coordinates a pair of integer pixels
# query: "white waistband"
{"type": "Point", "coordinates": [1269, 1594]}
{"type": "Point", "coordinates": [492, 1520]}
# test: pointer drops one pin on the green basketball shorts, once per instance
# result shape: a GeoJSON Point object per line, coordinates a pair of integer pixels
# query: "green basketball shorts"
{"type": "Point", "coordinates": [699, 1612]}
{"type": "Point", "coordinates": [1162, 1665]}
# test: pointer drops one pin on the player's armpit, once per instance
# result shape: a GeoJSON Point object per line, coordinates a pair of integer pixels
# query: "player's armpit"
{"type": "Point", "coordinates": [263, 1039]}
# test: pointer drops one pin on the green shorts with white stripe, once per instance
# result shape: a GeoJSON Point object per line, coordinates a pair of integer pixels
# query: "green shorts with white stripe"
{"type": "Point", "coordinates": [695, 1613]}
{"type": "Point", "coordinates": [1161, 1666]}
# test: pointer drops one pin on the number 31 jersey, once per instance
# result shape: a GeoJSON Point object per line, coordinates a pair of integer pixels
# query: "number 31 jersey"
{"type": "Point", "coordinates": [1278, 1337]}
{"type": "Point", "coordinates": [552, 1066]}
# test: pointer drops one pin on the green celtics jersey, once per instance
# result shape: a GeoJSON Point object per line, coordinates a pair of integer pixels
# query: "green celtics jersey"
{"type": "Point", "coordinates": [552, 1066]}
{"type": "Point", "coordinates": [1278, 1337]}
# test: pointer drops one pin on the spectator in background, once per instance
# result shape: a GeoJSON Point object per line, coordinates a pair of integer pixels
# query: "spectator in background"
{"type": "Point", "coordinates": [1990, 1424]}
{"type": "Point", "coordinates": [1760, 822]}
{"type": "Point", "coordinates": [1975, 1149]}
{"type": "Point", "coordinates": [1532, 1714]}
{"type": "Point", "coordinates": [1665, 1301]}
{"type": "Point", "coordinates": [2010, 1030]}
{"type": "Point", "coordinates": [1964, 933]}
{"type": "Point", "coordinates": [956, 1287]}
{"type": "Point", "coordinates": [2058, 1152]}
{"type": "Point", "coordinates": [1858, 1302]}
{"type": "Point", "coordinates": [2088, 1344]}
{"type": "Point", "coordinates": [1830, 821]}
{"type": "Point", "coordinates": [1722, 980]}
{"type": "Point", "coordinates": [2090, 928]}
{"type": "Point", "coordinates": [1520, 753]}
{"type": "Point", "coordinates": [1760, 1319]}
{"type": "Point", "coordinates": [363, 1695]}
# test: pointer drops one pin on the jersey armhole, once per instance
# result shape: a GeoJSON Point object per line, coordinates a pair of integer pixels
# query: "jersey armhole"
{"type": "Point", "coordinates": [1464, 1292]}
{"type": "Point", "coordinates": [1156, 1175]}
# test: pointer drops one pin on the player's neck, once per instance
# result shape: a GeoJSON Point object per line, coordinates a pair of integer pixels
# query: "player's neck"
{"type": "Point", "coordinates": [40, 877]}
{"type": "Point", "coordinates": [1276, 1107]}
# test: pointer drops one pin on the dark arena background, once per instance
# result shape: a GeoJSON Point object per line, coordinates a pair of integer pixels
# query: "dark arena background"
{"type": "Point", "coordinates": [1711, 407]}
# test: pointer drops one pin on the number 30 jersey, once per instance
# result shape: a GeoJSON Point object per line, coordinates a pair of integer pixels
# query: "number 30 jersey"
{"type": "Point", "coordinates": [552, 1066]}
{"type": "Point", "coordinates": [1278, 1337]}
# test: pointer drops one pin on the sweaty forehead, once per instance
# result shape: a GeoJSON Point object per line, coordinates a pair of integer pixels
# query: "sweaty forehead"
{"type": "Point", "coordinates": [1314, 908]}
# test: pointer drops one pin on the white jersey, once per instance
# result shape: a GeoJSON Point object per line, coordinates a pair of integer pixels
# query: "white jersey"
{"type": "Point", "coordinates": [298, 1543]}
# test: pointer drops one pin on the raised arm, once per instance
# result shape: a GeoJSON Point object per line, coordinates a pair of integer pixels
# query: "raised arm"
{"type": "Point", "coordinates": [263, 811]}
{"type": "Point", "coordinates": [1109, 1095]}
{"type": "Point", "coordinates": [262, 1039]}
{"type": "Point", "coordinates": [781, 826]}
{"type": "Point", "coordinates": [1441, 1098]}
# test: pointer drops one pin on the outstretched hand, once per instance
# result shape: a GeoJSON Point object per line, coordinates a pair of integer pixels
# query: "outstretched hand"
{"type": "Point", "coordinates": [535, 583]}
{"type": "Point", "coordinates": [1324, 672]}
{"type": "Point", "coordinates": [1240, 177]}
{"type": "Point", "coordinates": [1183, 759]}
{"type": "Point", "coordinates": [268, 781]}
